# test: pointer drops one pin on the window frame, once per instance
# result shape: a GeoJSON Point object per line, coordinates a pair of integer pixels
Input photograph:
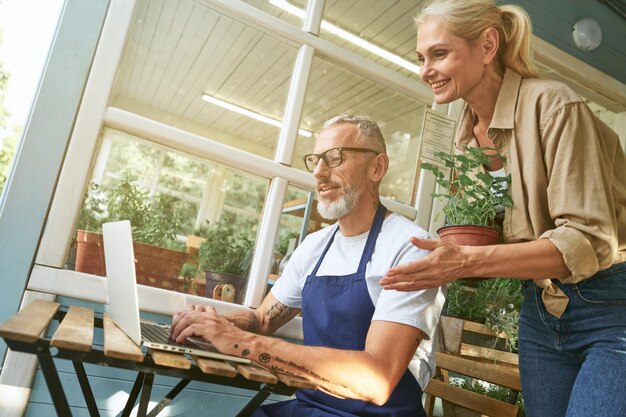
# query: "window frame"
{"type": "Point", "coordinates": [95, 113]}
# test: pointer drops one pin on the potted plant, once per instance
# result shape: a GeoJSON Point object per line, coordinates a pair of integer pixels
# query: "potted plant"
{"type": "Point", "coordinates": [155, 224]}
{"type": "Point", "coordinates": [494, 302]}
{"type": "Point", "coordinates": [470, 196]}
{"type": "Point", "coordinates": [225, 256]}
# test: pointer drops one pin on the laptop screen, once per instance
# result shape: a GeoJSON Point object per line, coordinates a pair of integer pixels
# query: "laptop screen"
{"type": "Point", "coordinates": [121, 282]}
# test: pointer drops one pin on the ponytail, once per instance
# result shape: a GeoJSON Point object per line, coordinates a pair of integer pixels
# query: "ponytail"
{"type": "Point", "coordinates": [515, 47]}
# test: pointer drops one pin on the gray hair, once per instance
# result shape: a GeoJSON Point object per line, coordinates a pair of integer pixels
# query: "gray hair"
{"type": "Point", "coordinates": [369, 132]}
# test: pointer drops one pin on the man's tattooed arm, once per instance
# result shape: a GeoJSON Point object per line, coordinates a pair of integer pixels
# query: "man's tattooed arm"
{"type": "Point", "coordinates": [278, 314]}
{"type": "Point", "coordinates": [266, 319]}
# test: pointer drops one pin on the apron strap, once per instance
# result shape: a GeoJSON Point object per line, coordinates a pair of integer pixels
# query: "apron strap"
{"type": "Point", "coordinates": [377, 225]}
{"type": "Point", "coordinates": [321, 258]}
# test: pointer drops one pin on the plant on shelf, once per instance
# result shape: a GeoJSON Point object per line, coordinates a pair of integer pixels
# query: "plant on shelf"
{"type": "Point", "coordinates": [225, 256]}
{"type": "Point", "coordinates": [494, 302]}
{"type": "Point", "coordinates": [155, 224]}
{"type": "Point", "coordinates": [470, 196]}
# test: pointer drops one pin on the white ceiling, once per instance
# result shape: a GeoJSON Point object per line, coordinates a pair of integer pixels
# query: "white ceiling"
{"type": "Point", "coordinates": [178, 49]}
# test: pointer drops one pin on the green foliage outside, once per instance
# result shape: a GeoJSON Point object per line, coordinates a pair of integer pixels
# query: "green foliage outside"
{"type": "Point", "coordinates": [494, 302]}
{"type": "Point", "coordinates": [155, 221]}
{"type": "Point", "coordinates": [9, 135]}
{"type": "Point", "coordinates": [469, 194]}
{"type": "Point", "coordinates": [489, 390]}
{"type": "Point", "coordinates": [225, 249]}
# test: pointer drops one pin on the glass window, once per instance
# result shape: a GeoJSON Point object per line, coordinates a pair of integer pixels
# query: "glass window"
{"type": "Point", "coordinates": [25, 36]}
{"type": "Point", "coordinates": [188, 66]}
{"type": "Point", "coordinates": [188, 216]}
{"type": "Point", "coordinates": [333, 90]}
{"type": "Point", "coordinates": [380, 31]}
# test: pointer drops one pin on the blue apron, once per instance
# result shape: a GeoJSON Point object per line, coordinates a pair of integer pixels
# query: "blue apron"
{"type": "Point", "coordinates": [336, 313]}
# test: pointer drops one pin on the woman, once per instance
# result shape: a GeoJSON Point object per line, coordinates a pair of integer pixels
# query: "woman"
{"type": "Point", "coordinates": [566, 233]}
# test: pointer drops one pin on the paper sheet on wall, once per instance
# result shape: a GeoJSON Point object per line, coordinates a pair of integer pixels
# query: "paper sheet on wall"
{"type": "Point", "coordinates": [437, 135]}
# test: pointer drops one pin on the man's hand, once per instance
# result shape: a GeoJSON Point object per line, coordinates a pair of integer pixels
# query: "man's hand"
{"type": "Point", "coordinates": [205, 322]}
{"type": "Point", "coordinates": [446, 263]}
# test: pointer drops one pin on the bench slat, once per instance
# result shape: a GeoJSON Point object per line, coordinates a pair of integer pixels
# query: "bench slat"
{"type": "Point", "coordinates": [487, 353]}
{"type": "Point", "coordinates": [170, 359]}
{"type": "Point", "coordinates": [296, 382]}
{"type": "Point", "coordinates": [503, 375]}
{"type": "Point", "coordinates": [76, 330]}
{"type": "Point", "coordinates": [474, 401]}
{"type": "Point", "coordinates": [215, 367]}
{"type": "Point", "coordinates": [117, 344]}
{"type": "Point", "coordinates": [256, 373]}
{"type": "Point", "coordinates": [30, 322]}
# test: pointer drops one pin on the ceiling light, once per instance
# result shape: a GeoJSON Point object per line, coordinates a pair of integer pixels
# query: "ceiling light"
{"type": "Point", "coordinates": [251, 114]}
{"type": "Point", "coordinates": [587, 34]}
{"type": "Point", "coordinates": [355, 40]}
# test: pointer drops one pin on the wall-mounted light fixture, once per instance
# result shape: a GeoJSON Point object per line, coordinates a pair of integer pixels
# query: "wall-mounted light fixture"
{"type": "Point", "coordinates": [249, 113]}
{"type": "Point", "coordinates": [587, 34]}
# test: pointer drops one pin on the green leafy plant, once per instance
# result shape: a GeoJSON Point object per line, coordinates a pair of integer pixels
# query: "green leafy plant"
{"type": "Point", "coordinates": [489, 390]}
{"type": "Point", "coordinates": [225, 250]}
{"type": "Point", "coordinates": [155, 221]}
{"type": "Point", "coordinates": [470, 195]}
{"type": "Point", "coordinates": [188, 272]}
{"type": "Point", "coordinates": [494, 302]}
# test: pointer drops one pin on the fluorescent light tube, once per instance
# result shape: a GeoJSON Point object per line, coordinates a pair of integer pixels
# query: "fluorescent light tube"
{"type": "Point", "coordinates": [251, 114]}
{"type": "Point", "coordinates": [353, 39]}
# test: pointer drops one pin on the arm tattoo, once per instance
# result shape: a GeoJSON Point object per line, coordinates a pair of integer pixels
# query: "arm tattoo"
{"type": "Point", "coordinates": [279, 312]}
{"type": "Point", "coordinates": [253, 325]}
{"type": "Point", "coordinates": [303, 370]}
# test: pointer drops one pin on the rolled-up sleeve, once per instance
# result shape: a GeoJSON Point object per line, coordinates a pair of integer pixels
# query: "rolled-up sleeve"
{"type": "Point", "coordinates": [579, 164]}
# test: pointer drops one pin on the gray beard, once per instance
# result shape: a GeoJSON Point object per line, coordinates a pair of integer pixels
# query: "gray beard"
{"type": "Point", "coordinates": [335, 209]}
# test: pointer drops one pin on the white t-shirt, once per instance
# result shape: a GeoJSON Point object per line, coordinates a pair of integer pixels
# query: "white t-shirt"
{"type": "Point", "coordinates": [420, 309]}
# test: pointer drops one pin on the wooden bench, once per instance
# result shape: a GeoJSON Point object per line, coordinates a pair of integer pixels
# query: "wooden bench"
{"type": "Point", "coordinates": [73, 340]}
{"type": "Point", "coordinates": [476, 362]}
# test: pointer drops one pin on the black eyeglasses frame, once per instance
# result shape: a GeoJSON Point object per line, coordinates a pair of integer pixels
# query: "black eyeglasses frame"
{"type": "Point", "coordinates": [322, 156]}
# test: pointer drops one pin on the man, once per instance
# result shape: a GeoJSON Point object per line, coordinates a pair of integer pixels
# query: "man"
{"type": "Point", "coordinates": [360, 342]}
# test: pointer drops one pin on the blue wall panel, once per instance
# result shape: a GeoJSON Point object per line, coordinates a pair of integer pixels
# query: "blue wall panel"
{"type": "Point", "coordinates": [553, 21]}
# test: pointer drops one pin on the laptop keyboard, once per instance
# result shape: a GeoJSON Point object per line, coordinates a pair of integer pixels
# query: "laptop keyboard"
{"type": "Point", "coordinates": [156, 333]}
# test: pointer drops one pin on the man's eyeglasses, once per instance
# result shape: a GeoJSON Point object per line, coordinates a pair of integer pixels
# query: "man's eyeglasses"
{"type": "Point", "coordinates": [332, 157]}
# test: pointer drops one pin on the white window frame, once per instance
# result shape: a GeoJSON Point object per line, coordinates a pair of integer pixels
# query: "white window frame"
{"type": "Point", "coordinates": [48, 274]}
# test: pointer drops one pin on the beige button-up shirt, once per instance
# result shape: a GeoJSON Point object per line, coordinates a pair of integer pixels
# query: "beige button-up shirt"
{"type": "Point", "coordinates": [568, 177]}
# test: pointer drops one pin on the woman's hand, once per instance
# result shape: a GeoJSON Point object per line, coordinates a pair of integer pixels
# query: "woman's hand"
{"type": "Point", "coordinates": [446, 263]}
{"type": "Point", "coordinates": [205, 322]}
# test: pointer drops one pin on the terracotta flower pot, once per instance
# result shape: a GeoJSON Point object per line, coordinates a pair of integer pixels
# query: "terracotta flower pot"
{"type": "Point", "coordinates": [470, 235]}
{"type": "Point", "coordinates": [154, 266]}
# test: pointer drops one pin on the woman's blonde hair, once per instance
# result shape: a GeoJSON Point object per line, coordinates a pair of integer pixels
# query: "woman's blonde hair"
{"type": "Point", "coordinates": [469, 18]}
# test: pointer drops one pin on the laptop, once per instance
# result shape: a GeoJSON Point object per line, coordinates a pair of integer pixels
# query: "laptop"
{"type": "Point", "coordinates": [124, 303]}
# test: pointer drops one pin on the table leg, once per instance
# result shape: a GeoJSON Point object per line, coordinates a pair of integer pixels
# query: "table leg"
{"type": "Point", "coordinates": [86, 388]}
{"type": "Point", "coordinates": [169, 397]}
{"type": "Point", "coordinates": [132, 397]}
{"type": "Point", "coordinates": [256, 401]}
{"type": "Point", "coordinates": [145, 395]}
{"type": "Point", "coordinates": [51, 376]}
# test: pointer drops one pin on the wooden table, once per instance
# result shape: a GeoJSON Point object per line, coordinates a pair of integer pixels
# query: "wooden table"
{"type": "Point", "coordinates": [73, 340]}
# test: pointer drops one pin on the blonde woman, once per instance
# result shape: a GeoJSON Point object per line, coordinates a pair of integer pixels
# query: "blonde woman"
{"type": "Point", "coordinates": [566, 233]}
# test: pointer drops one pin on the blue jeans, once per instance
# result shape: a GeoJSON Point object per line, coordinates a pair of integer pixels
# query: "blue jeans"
{"type": "Point", "coordinates": [575, 366]}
